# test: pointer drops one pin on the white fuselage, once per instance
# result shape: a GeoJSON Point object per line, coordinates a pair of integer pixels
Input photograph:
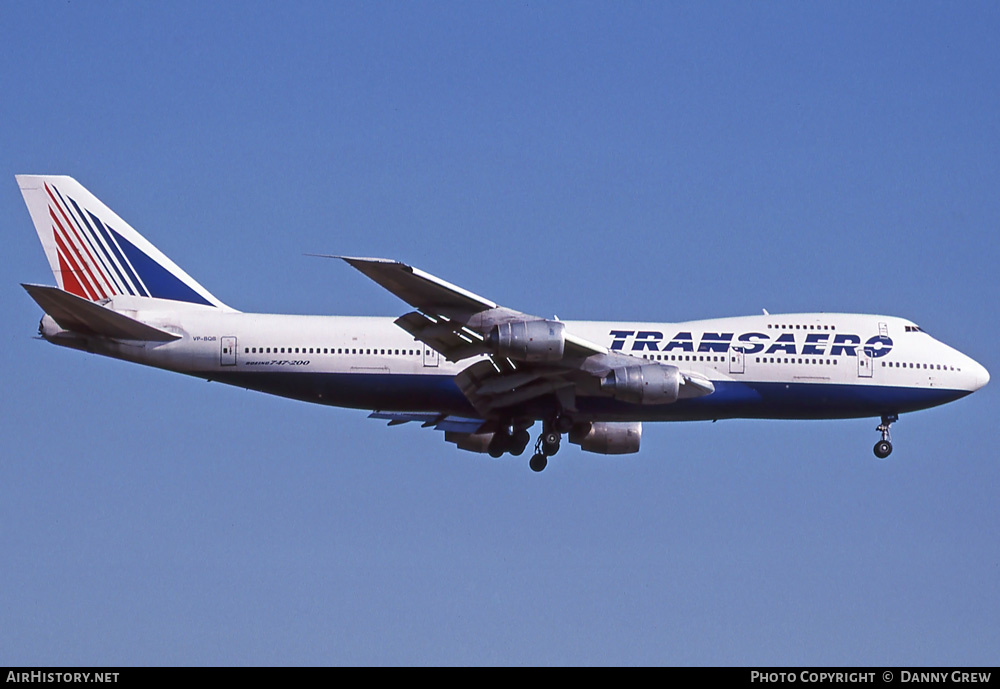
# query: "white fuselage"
{"type": "Point", "coordinates": [811, 365]}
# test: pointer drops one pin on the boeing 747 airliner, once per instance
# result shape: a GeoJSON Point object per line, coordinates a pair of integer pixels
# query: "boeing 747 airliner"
{"type": "Point", "coordinates": [480, 372]}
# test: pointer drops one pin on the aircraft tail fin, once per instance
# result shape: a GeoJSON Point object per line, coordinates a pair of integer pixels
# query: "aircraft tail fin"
{"type": "Point", "coordinates": [79, 315]}
{"type": "Point", "coordinates": [94, 254]}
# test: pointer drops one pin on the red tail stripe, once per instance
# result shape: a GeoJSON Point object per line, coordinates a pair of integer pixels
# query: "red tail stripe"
{"type": "Point", "coordinates": [69, 281]}
{"type": "Point", "coordinates": [93, 262]}
{"type": "Point", "coordinates": [74, 269]}
{"type": "Point", "coordinates": [78, 258]}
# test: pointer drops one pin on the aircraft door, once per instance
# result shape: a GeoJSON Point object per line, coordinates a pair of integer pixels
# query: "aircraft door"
{"type": "Point", "coordinates": [431, 356]}
{"type": "Point", "coordinates": [736, 360]}
{"type": "Point", "coordinates": [864, 364]}
{"type": "Point", "coordinates": [227, 354]}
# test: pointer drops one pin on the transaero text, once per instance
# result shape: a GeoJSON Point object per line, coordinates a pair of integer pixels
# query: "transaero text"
{"type": "Point", "coordinates": [816, 344]}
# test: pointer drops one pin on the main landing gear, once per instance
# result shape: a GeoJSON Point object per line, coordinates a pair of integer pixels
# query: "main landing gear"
{"type": "Point", "coordinates": [514, 439]}
{"type": "Point", "coordinates": [510, 441]}
{"type": "Point", "coordinates": [883, 448]}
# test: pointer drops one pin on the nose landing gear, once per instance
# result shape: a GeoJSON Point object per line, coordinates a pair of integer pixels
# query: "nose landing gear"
{"type": "Point", "coordinates": [883, 448]}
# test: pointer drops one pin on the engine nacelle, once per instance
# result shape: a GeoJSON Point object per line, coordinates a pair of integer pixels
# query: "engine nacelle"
{"type": "Point", "coordinates": [652, 384]}
{"type": "Point", "coordinates": [528, 340]}
{"type": "Point", "coordinates": [607, 438]}
{"type": "Point", "coordinates": [473, 442]}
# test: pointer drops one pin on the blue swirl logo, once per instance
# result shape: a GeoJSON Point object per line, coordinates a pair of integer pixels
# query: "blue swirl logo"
{"type": "Point", "coordinates": [878, 346]}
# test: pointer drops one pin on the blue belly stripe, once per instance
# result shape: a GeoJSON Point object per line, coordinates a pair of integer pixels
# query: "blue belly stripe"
{"type": "Point", "coordinates": [731, 399]}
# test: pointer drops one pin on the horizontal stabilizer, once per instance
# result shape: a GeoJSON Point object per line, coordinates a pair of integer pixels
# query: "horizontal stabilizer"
{"type": "Point", "coordinates": [82, 316]}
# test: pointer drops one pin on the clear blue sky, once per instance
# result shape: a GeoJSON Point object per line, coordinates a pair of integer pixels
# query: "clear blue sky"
{"type": "Point", "coordinates": [651, 161]}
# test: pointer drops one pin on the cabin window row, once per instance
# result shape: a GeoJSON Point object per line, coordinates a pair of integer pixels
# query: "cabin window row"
{"type": "Point", "coordinates": [793, 360]}
{"type": "Point", "coordinates": [330, 350]}
{"type": "Point", "coordinates": [683, 357]}
{"type": "Point", "coordinates": [930, 367]}
{"type": "Point", "coordinates": [800, 327]}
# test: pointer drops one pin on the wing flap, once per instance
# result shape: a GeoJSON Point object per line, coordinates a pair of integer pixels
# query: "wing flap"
{"type": "Point", "coordinates": [453, 340]}
{"type": "Point", "coordinates": [440, 422]}
{"type": "Point", "coordinates": [82, 316]}
{"type": "Point", "coordinates": [490, 387]}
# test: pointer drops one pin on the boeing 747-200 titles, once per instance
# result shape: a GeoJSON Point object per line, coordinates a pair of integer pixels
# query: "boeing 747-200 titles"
{"type": "Point", "coordinates": [480, 372]}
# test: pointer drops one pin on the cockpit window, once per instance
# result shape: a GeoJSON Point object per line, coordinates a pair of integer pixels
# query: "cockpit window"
{"type": "Point", "coordinates": [914, 329]}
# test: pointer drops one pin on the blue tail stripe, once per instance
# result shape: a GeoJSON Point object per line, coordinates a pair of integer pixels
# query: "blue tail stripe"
{"type": "Point", "coordinates": [98, 246]}
{"type": "Point", "coordinates": [106, 232]}
{"type": "Point", "coordinates": [89, 241]}
{"type": "Point", "coordinates": [160, 282]}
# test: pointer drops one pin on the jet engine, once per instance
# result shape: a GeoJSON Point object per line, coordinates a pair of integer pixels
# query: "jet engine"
{"type": "Point", "coordinates": [528, 340]}
{"type": "Point", "coordinates": [473, 442]}
{"type": "Point", "coordinates": [652, 384]}
{"type": "Point", "coordinates": [607, 438]}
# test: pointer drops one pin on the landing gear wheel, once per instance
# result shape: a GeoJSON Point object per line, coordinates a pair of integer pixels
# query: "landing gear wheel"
{"type": "Point", "coordinates": [550, 443]}
{"type": "Point", "coordinates": [883, 449]}
{"type": "Point", "coordinates": [519, 441]}
{"type": "Point", "coordinates": [499, 445]}
{"type": "Point", "coordinates": [546, 446]}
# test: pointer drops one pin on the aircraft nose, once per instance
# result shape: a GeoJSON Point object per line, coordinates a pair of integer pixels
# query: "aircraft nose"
{"type": "Point", "coordinates": [984, 377]}
{"type": "Point", "coordinates": [980, 375]}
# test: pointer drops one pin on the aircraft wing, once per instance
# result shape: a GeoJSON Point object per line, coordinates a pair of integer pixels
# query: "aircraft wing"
{"type": "Point", "coordinates": [419, 289]}
{"type": "Point", "coordinates": [448, 318]}
{"type": "Point", "coordinates": [527, 356]}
